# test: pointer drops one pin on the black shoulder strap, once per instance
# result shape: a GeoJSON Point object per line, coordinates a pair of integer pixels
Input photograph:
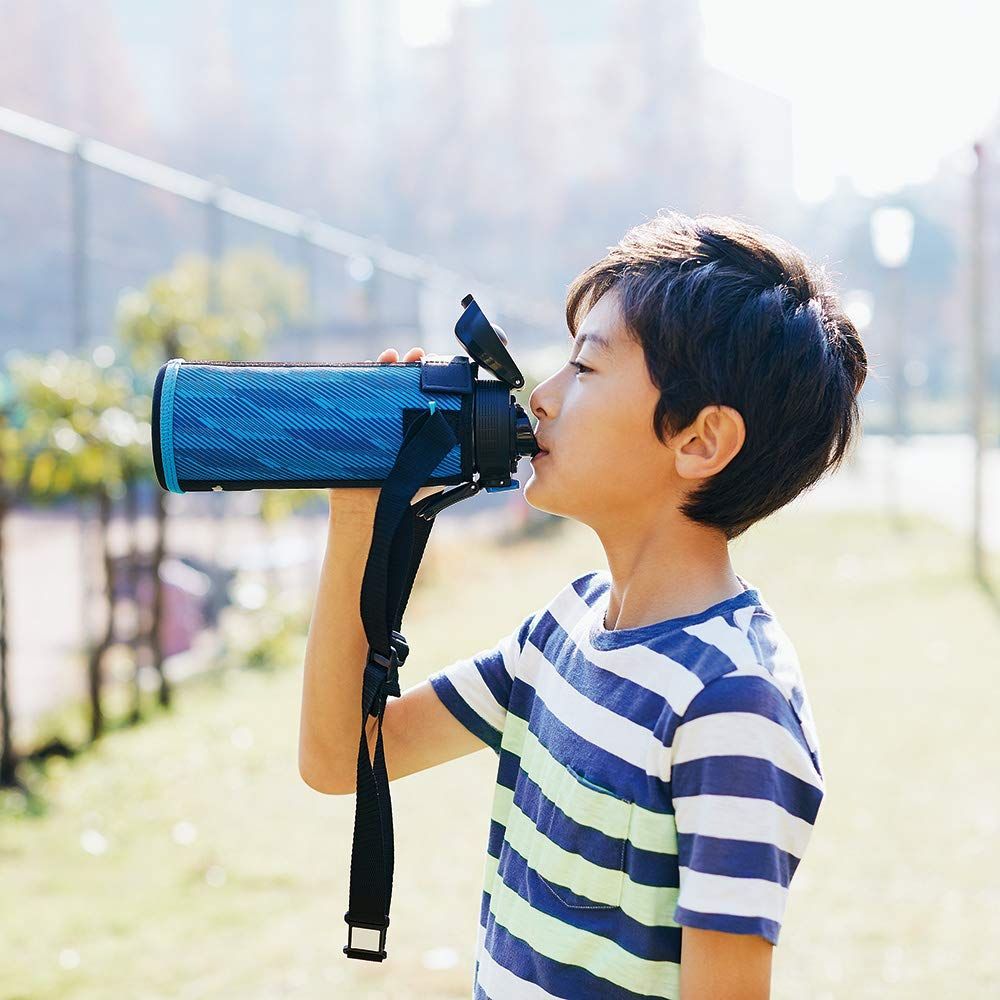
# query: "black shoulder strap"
{"type": "Point", "coordinates": [399, 536]}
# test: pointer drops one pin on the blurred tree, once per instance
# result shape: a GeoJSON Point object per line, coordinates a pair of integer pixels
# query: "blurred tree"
{"type": "Point", "coordinates": [75, 436]}
{"type": "Point", "coordinates": [74, 427]}
{"type": "Point", "coordinates": [201, 310]}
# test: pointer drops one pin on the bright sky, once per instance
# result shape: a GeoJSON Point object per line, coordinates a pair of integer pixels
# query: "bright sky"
{"type": "Point", "coordinates": [880, 90]}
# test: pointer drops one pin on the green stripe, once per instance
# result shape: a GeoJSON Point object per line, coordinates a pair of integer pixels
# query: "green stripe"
{"type": "Point", "coordinates": [648, 904]}
{"type": "Point", "coordinates": [651, 831]}
{"type": "Point", "coordinates": [573, 946]}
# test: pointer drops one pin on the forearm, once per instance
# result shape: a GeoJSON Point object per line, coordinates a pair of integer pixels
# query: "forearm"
{"type": "Point", "coordinates": [336, 648]}
{"type": "Point", "coordinates": [719, 966]}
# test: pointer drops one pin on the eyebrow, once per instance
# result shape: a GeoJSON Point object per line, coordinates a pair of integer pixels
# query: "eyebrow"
{"type": "Point", "coordinates": [600, 342]}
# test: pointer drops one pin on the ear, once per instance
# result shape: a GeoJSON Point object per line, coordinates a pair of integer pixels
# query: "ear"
{"type": "Point", "coordinates": [710, 443]}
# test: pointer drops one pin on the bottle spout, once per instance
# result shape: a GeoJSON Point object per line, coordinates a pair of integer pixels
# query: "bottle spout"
{"type": "Point", "coordinates": [525, 436]}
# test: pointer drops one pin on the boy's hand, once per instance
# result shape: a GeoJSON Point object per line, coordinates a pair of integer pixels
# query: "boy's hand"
{"type": "Point", "coordinates": [351, 498]}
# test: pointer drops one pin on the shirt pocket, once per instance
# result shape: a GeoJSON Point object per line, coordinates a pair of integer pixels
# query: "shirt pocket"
{"type": "Point", "coordinates": [581, 853]}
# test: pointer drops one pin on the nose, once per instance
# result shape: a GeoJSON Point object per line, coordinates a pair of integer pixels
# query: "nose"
{"type": "Point", "coordinates": [535, 404]}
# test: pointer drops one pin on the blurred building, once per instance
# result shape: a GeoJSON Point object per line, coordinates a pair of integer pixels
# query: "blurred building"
{"type": "Point", "coordinates": [516, 149]}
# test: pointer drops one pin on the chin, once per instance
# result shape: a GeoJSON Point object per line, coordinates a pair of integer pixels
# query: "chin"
{"type": "Point", "coordinates": [535, 496]}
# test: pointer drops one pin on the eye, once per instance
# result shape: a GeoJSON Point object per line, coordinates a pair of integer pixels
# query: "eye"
{"type": "Point", "coordinates": [579, 367]}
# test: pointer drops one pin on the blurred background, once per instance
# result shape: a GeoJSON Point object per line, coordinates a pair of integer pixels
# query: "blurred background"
{"type": "Point", "coordinates": [320, 180]}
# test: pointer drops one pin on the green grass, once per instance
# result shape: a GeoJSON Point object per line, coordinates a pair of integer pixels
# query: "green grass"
{"type": "Point", "coordinates": [896, 896]}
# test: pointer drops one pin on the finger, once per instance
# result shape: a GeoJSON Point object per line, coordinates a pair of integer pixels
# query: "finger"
{"type": "Point", "coordinates": [414, 354]}
{"type": "Point", "coordinates": [390, 354]}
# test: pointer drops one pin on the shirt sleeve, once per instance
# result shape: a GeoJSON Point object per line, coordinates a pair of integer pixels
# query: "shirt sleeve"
{"type": "Point", "coordinates": [746, 793]}
{"type": "Point", "coordinates": [476, 690]}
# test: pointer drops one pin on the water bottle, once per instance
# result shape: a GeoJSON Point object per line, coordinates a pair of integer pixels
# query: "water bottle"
{"type": "Point", "coordinates": [244, 425]}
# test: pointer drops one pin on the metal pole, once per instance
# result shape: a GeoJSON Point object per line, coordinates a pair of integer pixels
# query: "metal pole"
{"type": "Point", "coordinates": [897, 283]}
{"type": "Point", "coordinates": [80, 213]}
{"type": "Point", "coordinates": [900, 427]}
{"type": "Point", "coordinates": [78, 196]}
{"type": "Point", "coordinates": [374, 293]}
{"type": "Point", "coordinates": [214, 237]}
{"type": "Point", "coordinates": [978, 361]}
{"type": "Point", "coordinates": [307, 261]}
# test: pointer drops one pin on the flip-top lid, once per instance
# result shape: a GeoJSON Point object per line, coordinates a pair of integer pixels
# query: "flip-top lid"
{"type": "Point", "coordinates": [484, 342]}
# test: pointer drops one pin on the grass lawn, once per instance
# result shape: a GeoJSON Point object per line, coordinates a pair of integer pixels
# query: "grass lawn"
{"type": "Point", "coordinates": [186, 859]}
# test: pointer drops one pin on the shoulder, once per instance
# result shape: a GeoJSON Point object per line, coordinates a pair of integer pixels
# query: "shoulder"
{"type": "Point", "coordinates": [742, 691]}
{"type": "Point", "coordinates": [746, 714]}
{"type": "Point", "coordinates": [750, 664]}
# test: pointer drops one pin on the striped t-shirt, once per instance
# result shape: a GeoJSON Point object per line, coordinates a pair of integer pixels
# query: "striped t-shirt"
{"type": "Point", "coordinates": [649, 778]}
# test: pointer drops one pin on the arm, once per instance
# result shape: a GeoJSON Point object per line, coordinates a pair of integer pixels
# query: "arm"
{"type": "Point", "coordinates": [723, 966]}
{"type": "Point", "coordinates": [417, 730]}
{"type": "Point", "coordinates": [746, 793]}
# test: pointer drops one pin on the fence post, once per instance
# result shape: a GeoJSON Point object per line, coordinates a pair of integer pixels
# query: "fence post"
{"type": "Point", "coordinates": [214, 246]}
{"type": "Point", "coordinates": [307, 261]}
{"type": "Point", "coordinates": [214, 238]}
{"type": "Point", "coordinates": [80, 278]}
{"type": "Point", "coordinates": [80, 265]}
{"type": "Point", "coordinates": [978, 365]}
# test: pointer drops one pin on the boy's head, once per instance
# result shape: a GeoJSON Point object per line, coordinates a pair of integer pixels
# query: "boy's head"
{"type": "Point", "coordinates": [730, 385]}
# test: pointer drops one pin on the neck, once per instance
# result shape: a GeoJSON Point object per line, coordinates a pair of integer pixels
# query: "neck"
{"type": "Point", "coordinates": [663, 566]}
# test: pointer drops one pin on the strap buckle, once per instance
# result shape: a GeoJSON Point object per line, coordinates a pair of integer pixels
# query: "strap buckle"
{"type": "Point", "coordinates": [400, 647]}
{"type": "Point", "coordinates": [388, 670]}
{"type": "Point", "coordinates": [369, 953]}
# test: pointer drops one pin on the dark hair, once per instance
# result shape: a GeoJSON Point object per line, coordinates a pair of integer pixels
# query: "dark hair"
{"type": "Point", "coordinates": [728, 314]}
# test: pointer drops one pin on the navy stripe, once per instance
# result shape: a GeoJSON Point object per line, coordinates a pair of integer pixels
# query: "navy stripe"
{"type": "Point", "coordinates": [747, 693]}
{"type": "Point", "coordinates": [603, 687]}
{"type": "Point", "coordinates": [459, 707]}
{"type": "Point", "coordinates": [705, 660]}
{"type": "Point", "coordinates": [648, 867]}
{"type": "Point", "coordinates": [492, 668]}
{"type": "Point", "coordinates": [494, 674]}
{"type": "Point", "coordinates": [644, 867]}
{"type": "Point", "coordinates": [736, 858]}
{"type": "Point", "coordinates": [589, 587]}
{"type": "Point", "coordinates": [767, 929]}
{"type": "Point", "coordinates": [748, 777]}
{"type": "Point", "coordinates": [554, 824]}
{"type": "Point", "coordinates": [562, 980]}
{"type": "Point", "coordinates": [656, 944]}
{"type": "Point", "coordinates": [600, 765]}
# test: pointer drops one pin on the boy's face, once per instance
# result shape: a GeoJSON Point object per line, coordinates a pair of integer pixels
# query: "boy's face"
{"type": "Point", "coordinates": [604, 461]}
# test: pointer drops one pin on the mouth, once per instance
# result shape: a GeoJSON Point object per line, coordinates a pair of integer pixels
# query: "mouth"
{"type": "Point", "coordinates": [541, 454]}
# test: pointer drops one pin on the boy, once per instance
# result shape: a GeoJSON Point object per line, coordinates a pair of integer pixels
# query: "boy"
{"type": "Point", "coordinates": [659, 772]}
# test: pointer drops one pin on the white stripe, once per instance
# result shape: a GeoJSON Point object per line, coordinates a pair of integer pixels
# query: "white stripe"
{"type": "Point", "coordinates": [480, 942]}
{"type": "Point", "coordinates": [743, 734]}
{"type": "Point", "coordinates": [655, 671]}
{"type": "Point", "coordinates": [736, 897]}
{"type": "Point", "coordinates": [735, 817]}
{"type": "Point", "coordinates": [743, 616]}
{"type": "Point", "coordinates": [468, 681]}
{"type": "Point", "coordinates": [788, 676]}
{"type": "Point", "coordinates": [598, 725]}
{"type": "Point", "coordinates": [501, 984]}
{"type": "Point", "coordinates": [727, 639]}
